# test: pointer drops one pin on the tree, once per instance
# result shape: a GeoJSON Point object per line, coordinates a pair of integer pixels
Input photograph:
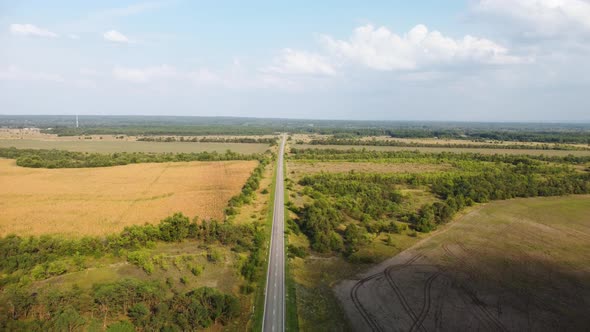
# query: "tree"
{"type": "Point", "coordinates": [68, 320]}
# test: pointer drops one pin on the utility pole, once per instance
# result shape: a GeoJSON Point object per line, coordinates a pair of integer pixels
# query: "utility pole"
{"type": "Point", "coordinates": [76, 120]}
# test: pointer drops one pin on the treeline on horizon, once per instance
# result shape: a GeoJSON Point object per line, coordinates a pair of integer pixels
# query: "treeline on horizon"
{"type": "Point", "coordinates": [69, 159]}
{"type": "Point", "coordinates": [522, 135]}
{"type": "Point", "coordinates": [199, 126]}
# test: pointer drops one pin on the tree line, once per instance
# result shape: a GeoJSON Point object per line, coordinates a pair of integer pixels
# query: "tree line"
{"type": "Point", "coordinates": [265, 140]}
{"type": "Point", "coordinates": [377, 142]}
{"type": "Point", "coordinates": [424, 157]}
{"type": "Point", "coordinates": [248, 191]}
{"type": "Point", "coordinates": [70, 159]}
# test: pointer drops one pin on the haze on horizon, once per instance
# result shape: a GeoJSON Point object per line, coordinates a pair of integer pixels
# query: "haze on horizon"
{"type": "Point", "coordinates": [478, 60]}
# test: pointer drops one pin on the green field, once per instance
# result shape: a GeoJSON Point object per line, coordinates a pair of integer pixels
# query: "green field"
{"type": "Point", "coordinates": [531, 152]}
{"type": "Point", "coordinates": [133, 146]}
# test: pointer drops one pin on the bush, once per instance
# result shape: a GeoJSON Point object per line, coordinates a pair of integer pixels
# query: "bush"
{"type": "Point", "coordinates": [296, 251]}
{"type": "Point", "coordinates": [213, 256]}
{"type": "Point", "coordinates": [197, 270]}
{"type": "Point", "coordinates": [141, 259]}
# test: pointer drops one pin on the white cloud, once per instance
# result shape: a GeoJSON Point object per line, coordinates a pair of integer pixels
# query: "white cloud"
{"type": "Point", "coordinates": [300, 62]}
{"type": "Point", "coordinates": [115, 36]}
{"type": "Point", "coordinates": [14, 73]}
{"type": "Point", "coordinates": [381, 49]}
{"type": "Point", "coordinates": [31, 30]}
{"type": "Point", "coordinates": [144, 75]}
{"type": "Point", "coordinates": [541, 17]}
{"type": "Point", "coordinates": [74, 36]}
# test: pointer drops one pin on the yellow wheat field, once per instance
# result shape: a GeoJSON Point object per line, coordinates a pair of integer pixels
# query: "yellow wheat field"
{"type": "Point", "coordinates": [98, 201]}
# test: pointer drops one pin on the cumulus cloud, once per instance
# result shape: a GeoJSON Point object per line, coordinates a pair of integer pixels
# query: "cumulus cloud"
{"type": "Point", "coordinates": [300, 62]}
{"type": "Point", "coordinates": [382, 49]}
{"type": "Point", "coordinates": [31, 30]}
{"type": "Point", "coordinates": [541, 17]}
{"type": "Point", "coordinates": [115, 37]}
{"type": "Point", "coordinates": [144, 75]}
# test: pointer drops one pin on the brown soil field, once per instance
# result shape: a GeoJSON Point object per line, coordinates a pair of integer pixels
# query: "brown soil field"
{"type": "Point", "coordinates": [98, 201]}
{"type": "Point", "coordinates": [516, 265]}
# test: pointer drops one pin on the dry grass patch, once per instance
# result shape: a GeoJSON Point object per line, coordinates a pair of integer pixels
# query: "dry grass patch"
{"type": "Point", "coordinates": [98, 201]}
{"type": "Point", "coordinates": [451, 149]}
{"type": "Point", "coordinates": [112, 146]}
{"type": "Point", "coordinates": [298, 169]}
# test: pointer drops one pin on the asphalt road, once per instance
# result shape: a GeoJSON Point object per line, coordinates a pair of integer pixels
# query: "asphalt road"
{"type": "Point", "coordinates": [274, 301]}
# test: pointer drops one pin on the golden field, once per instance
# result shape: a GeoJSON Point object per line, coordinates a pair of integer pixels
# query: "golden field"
{"type": "Point", "coordinates": [98, 201]}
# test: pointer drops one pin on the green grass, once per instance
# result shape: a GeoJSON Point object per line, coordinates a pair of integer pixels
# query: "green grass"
{"type": "Point", "coordinates": [133, 146]}
{"type": "Point", "coordinates": [447, 149]}
{"type": "Point", "coordinates": [292, 319]}
{"type": "Point", "coordinates": [219, 275]}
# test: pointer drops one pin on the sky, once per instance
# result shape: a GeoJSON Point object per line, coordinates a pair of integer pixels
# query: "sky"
{"type": "Point", "coordinates": [473, 60]}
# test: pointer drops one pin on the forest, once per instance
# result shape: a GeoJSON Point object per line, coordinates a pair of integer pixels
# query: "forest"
{"type": "Point", "coordinates": [348, 209]}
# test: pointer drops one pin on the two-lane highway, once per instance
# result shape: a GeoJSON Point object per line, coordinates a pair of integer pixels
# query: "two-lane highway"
{"type": "Point", "coordinates": [274, 301]}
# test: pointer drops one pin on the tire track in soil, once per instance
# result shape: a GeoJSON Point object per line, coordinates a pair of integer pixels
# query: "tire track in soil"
{"type": "Point", "coordinates": [398, 291]}
{"type": "Point", "coordinates": [359, 306]}
{"type": "Point", "coordinates": [489, 317]}
{"type": "Point", "coordinates": [427, 303]}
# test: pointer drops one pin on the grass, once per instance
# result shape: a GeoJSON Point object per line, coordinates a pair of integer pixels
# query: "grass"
{"type": "Point", "coordinates": [292, 319]}
{"type": "Point", "coordinates": [446, 149]}
{"type": "Point", "coordinates": [299, 168]}
{"type": "Point", "coordinates": [258, 314]}
{"type": "Point", "coordinates": [98, 201]}
{"type": "Point", "coordinates": [257, 209]}
{"type": "Point", "coordinates": [108, 146]}
{"type": "Point", "coordinates": [108, 269]}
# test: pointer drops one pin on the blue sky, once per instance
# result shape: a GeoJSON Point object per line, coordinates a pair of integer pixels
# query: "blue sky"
{"type": "Point", "coordinates": [480, 60]}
